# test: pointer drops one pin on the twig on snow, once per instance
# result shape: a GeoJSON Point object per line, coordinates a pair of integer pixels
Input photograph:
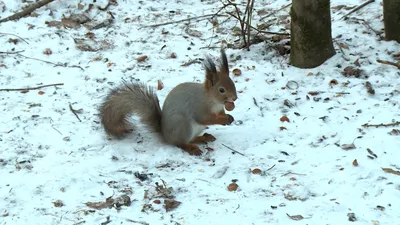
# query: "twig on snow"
{"type": "Point", "coordinates": [397, 123]}
{"type": "Point", "coordinates": [358, 8]}
{"type": "Point", "coordinates": [15, 36]}
{"type": "Point", "coordinates": [389, 63]}
{"type": "Point", "coordinates": [270, 168]}
{"type": "Point", "coordinates": [31, 88]}
{"type": "Point", "coordinates": [74, 112]}
{"type": "Point", "coordinates": [300, 174]}
{"type": "Point", "coordinates": [196, 18]}
{"type": "Point", "coordinates": [55, 64]}
{"type": "Point", "coordinates": [233, 150]}
{"type": "Point", "coordinates": [276, 11]}
{"type": "Point", "coordinates": [10, 53]}
{"type": "Point", "coordinates": [27, 10]}
{"type": "Point", "coordinates": [136, 221]}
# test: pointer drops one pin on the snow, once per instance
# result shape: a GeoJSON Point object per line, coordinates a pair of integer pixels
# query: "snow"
{"type": "Point", "coordinates": [48, 155]}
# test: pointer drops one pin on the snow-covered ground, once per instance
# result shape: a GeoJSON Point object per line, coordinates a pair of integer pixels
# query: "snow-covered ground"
{"type": "Point", "coordinates": [55, 169]}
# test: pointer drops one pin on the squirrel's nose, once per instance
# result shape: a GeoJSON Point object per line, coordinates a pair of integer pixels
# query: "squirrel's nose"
{"type": "Point", "coordinates": [235, 98]}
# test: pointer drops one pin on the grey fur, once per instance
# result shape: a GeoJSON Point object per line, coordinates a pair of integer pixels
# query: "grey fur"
{"type": "Point", "coordinates": [125, 100]}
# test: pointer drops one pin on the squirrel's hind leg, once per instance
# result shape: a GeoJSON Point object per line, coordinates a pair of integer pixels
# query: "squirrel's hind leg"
{"type": "Point", "coordinates": [191, 149]}
{"type": "Point", "coordinates": [204, 139]}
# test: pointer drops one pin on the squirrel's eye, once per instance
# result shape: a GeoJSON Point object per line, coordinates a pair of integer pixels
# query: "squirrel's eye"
{"type": "Point", "coordinates": [222, 90]}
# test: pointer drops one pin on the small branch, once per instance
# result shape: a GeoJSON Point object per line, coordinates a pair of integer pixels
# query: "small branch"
{"type": "Point", "coordinates": [55, 64]}
{"type": "Point", "coordinates": [270, 168]}
{"type": "Point", "coordinates": [197, 18]}
{"type": "Point", "coordinates": [10, 53]}
{"type": "Point", "coordinates": [276, 11]}
{"type": "Point", "coordinates": [261, 31]}
{"type": "Point", "coordinates": [74, 112]}
{"type": "Point", "coordinates": [27, 10]}
{"type": "Point", "coordinates": [30, 88]}
{"type": "Point", "coordinates": [15, 36]}
{"type": "Point", "coordinates": [358, 8]}
{"type": "Point", "coordinates": [136, 221]}
{"type": "Point", "coordinates": [233, 150]}
{"type": "Point", "coordinates": [389, 63]}
{"type": "Point", "coordinates": [397, 123]}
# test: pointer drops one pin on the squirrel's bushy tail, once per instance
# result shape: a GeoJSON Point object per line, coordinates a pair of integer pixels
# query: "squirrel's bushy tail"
{"type": "Point", "coordinates": [128, 99]}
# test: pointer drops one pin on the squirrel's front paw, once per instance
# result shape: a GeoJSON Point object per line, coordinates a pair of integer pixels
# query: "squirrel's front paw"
{"type": "Point", "coordinates": [229, 119]}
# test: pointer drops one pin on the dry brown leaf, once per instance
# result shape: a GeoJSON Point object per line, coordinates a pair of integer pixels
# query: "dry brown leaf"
{"type": "Point", "coordinates": [256, 171]}
{"type": "Point", "coordinates": [24, 91]}
{"type": "Point", "coordinates": [284, 118]}
{"type": "Point", "coordinates": [157, 201]}
{"type": "Point", "coordinates": [389, 170]}
{"type": "Point", "coordinates": [97, 205]}
{"type": "Point", "coordinates": [173, 55]}
{"type": "Point", "coordinates": [395, 132]}
{"type": "Point", "coordinates": [356, 62]}
{"type": "Point", "coordinates": [355, 163]}
{"type": "Point", "coordinates": [310, 74]}
{"type": "Point", "coordinates": [344, 46]}
{"type": "Point", "coordinates": [193, 33]}
{"type": "Point", "coordinates": [236, 72]}
{"type": "Point", "coordinates": [282, 128]}
{"type": "Point", "coordinates": [47, 51]}
{"type": "Point", "coordinates": [348, 146]}
{"type": "Point", "coordinates": [171, 204]}
{"type": "Point", "coordinates": [41, 92]}
{"type": "Point", "coordinates": [295, 217]}
{"type": "Point", "coordinates": [58, 203]}
{"type": "Point", "coordinates": [233, 187]}
{"type": "Point", "coordinates": [351, 71]}
{"type": "Point", "coordinates": [141, 58]}
{"type": "Point", "coordinates": [313, 93]}
{"type": "Point", "coordinates": [333, 82]}
{"type": "Point", "coordinates": [160, 85]}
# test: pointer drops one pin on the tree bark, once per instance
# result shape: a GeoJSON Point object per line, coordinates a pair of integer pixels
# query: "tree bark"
{"type": "Point", "coordinates": [391, 19]}
{"type": "Point", "coordinates": [310, 33]}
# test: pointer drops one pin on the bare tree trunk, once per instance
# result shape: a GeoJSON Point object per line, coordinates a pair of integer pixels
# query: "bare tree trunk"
{"type": "Point", "coordinates": [391, 17]}
{"type": "Point", "coordinates": [310, 38]}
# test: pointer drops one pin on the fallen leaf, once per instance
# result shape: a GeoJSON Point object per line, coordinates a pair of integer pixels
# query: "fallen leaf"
{"type": "Point", "coordinates": [285, 118]}
{"type": "Point", "coordinates": [41, 92]}
{"type": "Point", "coordinates": [247, 79]}
{"type": "Point", "coordinates": [333, 82]}
{"type": "Point", "coordinates": [344, 46]}
{"type": "Point", "coordinates": [313, 93]}
{"type": "Point", "coordinates": [24, 91]}
{"type": "Point", "coordinates": [141, 58]}
{"type": "Point", "coordinates": [171, 204]}
{"type": "Point", "coordinates": [13, 40]}
{"type": "Point", "coordinates": [395, 132]}
{"type": "Point", "coordinates": [160, 85]}
{"type": "Point", "coordinates": [47, 51]}
{"type": "Point", "coordinates": [348, 146]}
{"type": "Point", "coordinates": [173, 55]}
{"type": "Point", "coordinates": [233, 186]}
{"type": "Point", "coordinates": [310, 74]}
{"type": "Point", "coordinates": [352, 217]}
{"type": "Point", "coordinates": [282, 128]}
{"type": "Point", "coordinates": [355, 163]}
{"type": "Point", "coordinates": [157, 201]}
{"type": "Point", "coordinates": [236, 72]}
{"type": "Point", "coordinates": [110, 64]}
{"type": "Point", "coordinates": [295, 217]}
{"type": "Point", "coordinates": [193, 33]}
{"type": "Point", "coordinates": [58, 203]}
{"type": "Point", "coordinates": [256, 171]}
{"type": "Point", "coordinates": [356, 62]}
{"type": "Point", "coordinates": [97, 205]}
{"type": "Point", "coordinates": [389, 170]}
{"type": "Point", "coordinates": [351, 71]}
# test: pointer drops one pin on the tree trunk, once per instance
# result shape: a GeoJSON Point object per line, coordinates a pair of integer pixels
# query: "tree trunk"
{"type": "Point", "coordinates": [391, 19]}
{"type": "Point", "coordinates": [310, 33]}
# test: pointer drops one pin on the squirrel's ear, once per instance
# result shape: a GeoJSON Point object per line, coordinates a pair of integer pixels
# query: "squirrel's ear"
{"type": "Point", "coordinates": [224, 67]}
{"type": "Point", "coordinates": [211, 72]}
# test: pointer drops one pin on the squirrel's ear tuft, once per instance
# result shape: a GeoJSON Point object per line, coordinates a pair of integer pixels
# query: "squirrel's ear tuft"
{"type": "Point", "coordinates": [224, 67]}
{"type": "Point", "coordinates": [211, 72]}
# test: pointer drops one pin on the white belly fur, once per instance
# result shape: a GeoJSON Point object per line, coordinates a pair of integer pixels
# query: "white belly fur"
{"type": "Point", "coordinates": [197, 129]}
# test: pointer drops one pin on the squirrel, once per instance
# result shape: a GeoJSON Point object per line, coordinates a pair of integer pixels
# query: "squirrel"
{"type": "Point", "coordinates": [187, 110]}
